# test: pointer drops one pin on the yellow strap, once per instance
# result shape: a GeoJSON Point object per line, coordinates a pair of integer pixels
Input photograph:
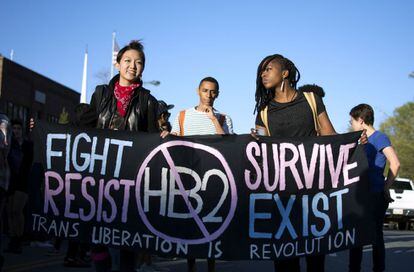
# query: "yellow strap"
{"type": "Point", "coordinates": [181, 122]}
{"type": "Point", "coordinates": [310, 97]}
{"type": "Point", "coordinates": [263, 115]}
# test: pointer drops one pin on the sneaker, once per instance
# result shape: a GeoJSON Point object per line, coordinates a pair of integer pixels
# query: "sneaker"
{"type": "Point", "coordinates": [41, 244]}
{"type": "Point", "coordinates": [147, 268]}
{"type": "Point", "coordinates": [70, 262]}
{"type": "Point", "coordinates": [53, 252]}
{"type": "Point", "coordinates": [152, 268]}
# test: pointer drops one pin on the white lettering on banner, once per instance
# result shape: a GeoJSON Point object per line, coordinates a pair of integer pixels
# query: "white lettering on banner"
{"type": "Point", "coordinates": [162, 193]}
{"type": "Point", "coordinates": [57, 228]}
{"type": "Point", "coordinates": [214, 172]}
{"type": "Point", "coordinates": [284, 211]}
{"type": "Point", "coordinates": [49, 152]}
{"type": "Point", "coordinates": [79, 187]}
{"type": "Point", "coordinates": [173, 192]}
{"type": "Point", "coordinates": [117, 237]}
{"type": "Point", "coordinates": [304, 247]}
{"type": "Point", "coordinates": [85, 156]}
{"type": "Point", "coordinates": [191, 193]}
{"type": "Point", "coordinates": [297, 248]}
{"type": "Point", "coordinates": [281, 165]}
{"type": "Point", "coordinates": [112, 236]}
{"type": "Point", "coordinates": [216, 248]}
{"type": "Point", "coordinates": [88, 159]}
{"type": "Point", "coordinates": [103, 194]}
{"type": "Point", "coordinates": [341, 239]}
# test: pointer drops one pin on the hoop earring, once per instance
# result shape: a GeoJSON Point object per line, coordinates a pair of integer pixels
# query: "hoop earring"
{"type": "Point", "coordinates": [283, 85]}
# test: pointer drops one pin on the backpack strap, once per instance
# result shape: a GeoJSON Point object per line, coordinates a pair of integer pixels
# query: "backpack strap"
{"type": "Point", "coordinates": [263, 115]}
{"type": "Point", "coordinates": [222, 119]}
{"type": "Point", "coordinates": [181, 122]}
{"type": "Point", "coordinates": [310, 97]}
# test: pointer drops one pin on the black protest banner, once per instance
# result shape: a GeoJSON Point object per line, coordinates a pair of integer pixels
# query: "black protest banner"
{"type": "Point", "coordinates": [223, 197]}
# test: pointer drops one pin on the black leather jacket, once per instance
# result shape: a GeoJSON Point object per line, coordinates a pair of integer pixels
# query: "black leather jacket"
{"type": "Point", "coordinates": [141, 113]}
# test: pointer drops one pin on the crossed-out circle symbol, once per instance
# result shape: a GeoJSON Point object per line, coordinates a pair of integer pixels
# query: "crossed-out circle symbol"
{"type": "Point", "coordinates": [207, 236]}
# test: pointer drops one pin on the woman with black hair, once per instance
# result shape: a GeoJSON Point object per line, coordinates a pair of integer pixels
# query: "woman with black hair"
{"type": "Point", "coordinates": [290, 111]}
{"type": "Point", "coordinates": [283, 111]}
{"type": "Point", "coordinates": [123, 104]}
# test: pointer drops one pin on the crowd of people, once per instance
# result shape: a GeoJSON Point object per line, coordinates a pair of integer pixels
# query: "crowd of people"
{"type": "Point", "coordinates": [283, 110]}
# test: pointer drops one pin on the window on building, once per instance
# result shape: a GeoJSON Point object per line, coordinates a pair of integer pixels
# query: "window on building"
{"type": "Point", "coordinates": [14, 111]}
{"type": "Point", "coordinates": [40, 97]}
{"type": "Point", "coordinates": [52, 118]}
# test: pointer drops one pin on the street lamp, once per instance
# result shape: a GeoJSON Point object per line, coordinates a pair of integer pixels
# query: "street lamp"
{"type": "Point", "coordinates": [153, 82]}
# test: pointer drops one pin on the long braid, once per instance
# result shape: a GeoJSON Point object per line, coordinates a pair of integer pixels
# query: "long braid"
{"type": "Point", "coordinates": [264, 96]}
{"type": "Point", "coordinates": [294, 74]}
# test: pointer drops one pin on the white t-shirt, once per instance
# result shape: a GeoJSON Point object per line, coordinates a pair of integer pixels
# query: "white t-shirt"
{"type": "Point", "coordinates": [198, 123]}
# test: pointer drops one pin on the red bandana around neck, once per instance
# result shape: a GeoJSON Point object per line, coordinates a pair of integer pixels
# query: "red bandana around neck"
{"type": "Point", "coordinates": [123, 95]}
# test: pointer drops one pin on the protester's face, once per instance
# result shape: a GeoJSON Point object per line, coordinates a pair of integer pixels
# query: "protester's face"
{"type": "Point", "coordinates": [356, 124]}
{"type": "Point", "coordinates": [208, 93]}
{"type": "Point", "coordinates": [17, 131]}
{"type": "Point", "coordinates": [272, 75]}
{"type": "Point", "coordinates": [130, 67]}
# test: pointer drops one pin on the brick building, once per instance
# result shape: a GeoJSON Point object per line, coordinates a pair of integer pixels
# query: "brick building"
{"type": "Point", "coordinates": [25, 93]}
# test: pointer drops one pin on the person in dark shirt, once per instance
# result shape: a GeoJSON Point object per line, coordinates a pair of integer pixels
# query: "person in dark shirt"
{"type": "Point", "coordinates": [288, 110]}
{"type": "Point", "coordinates": [164, 115]}
{"type": "Point", "coordinates": [20, 160]}
{"type": "Point", "coordinates": [123, 104]}
{"type": "Point", "coordinates": [5, 133]}
{"type": "Point", "coordinates": [379, 151]}
{"type": "Point", "coordinates": [284, 111]}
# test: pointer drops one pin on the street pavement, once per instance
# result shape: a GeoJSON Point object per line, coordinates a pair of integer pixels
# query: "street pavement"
{"type": "Point", "coordinates": [399, 258]}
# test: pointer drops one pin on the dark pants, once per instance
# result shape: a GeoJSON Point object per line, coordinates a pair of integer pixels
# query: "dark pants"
{"type": "Point", "coordinates": [313, 264]}
{"type": "Point", "coordinates": [127, 260]}
{"type": "Point", "coordinates": [191, 265]}
{"type": "Point", "coordinates": [73, 248]}
{"type": "Point", "coordinates": [3, 198]}
{"type": "Point", "coordinates": [378, 248]}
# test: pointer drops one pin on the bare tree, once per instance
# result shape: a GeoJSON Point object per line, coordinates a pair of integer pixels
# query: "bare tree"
{"type": "Point", "coordinates": [103, 76]}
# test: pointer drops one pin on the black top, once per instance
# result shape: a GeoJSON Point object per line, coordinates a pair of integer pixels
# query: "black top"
{"type": "Point", "coordinates": [291, 119]}
{"type": "Point", "coordinates": [102, 111]}
{"type": "Point", "coordinates": [20, 161]}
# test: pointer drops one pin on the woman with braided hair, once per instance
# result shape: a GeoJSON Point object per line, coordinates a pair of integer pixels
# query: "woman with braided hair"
{"type": "Point", "coordinates": [283, 111]}
{"type": "Point", "coordinates": [288, 110]}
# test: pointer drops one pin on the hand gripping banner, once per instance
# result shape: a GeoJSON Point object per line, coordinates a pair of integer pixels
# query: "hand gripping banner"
{"type": "Point", "coordinates": [222, 197]}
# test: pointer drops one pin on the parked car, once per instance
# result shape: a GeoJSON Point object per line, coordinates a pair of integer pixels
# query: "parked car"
{"type": "Point", "coordinates": [401, 210]}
